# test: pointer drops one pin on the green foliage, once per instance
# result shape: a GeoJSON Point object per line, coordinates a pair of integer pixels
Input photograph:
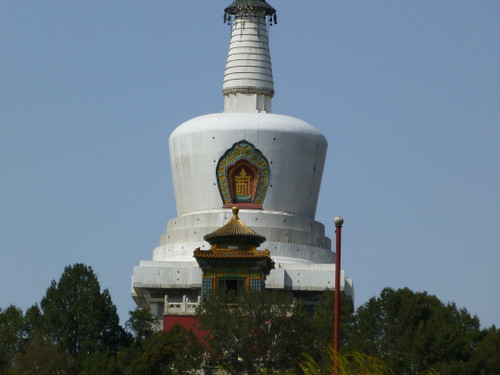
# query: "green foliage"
{"type": "Point", "coordinates": [350, 363]}
{"type": "Point", "coordinates": [75, 331]}
{"type": "Point", "coordinates": [487, 354]}
{"type": "Point", "coordinates": [142, 323]}
{"type": "Point", "coordinates": [323, 320]}
{"type": "Point", "coordinates": [413, 332]}
{"type": "Point", "coordinates": [101, 363]}
{"type": "Point", "coordinates": [33, 319]}
{"type": "Point", "coordinates": [43, 357]}
{"type": "Point", "coordinates": [175, 352]}
{"type": "Point", "coordinates": [254, 331]}
{"type": "Point", "coordinates": [12, 333]}
{"type": "Point", "coordinates": [78, 316]}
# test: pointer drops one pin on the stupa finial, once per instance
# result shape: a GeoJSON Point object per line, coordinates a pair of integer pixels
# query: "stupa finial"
{"type": "Point", "coordinates": [248, 78]}
{"type": "Point", "coordinates": [248, 6]}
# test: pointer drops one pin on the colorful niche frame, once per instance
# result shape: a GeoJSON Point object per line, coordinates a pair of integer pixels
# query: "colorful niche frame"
{"type": "Point", "coordinates": [243, 176]}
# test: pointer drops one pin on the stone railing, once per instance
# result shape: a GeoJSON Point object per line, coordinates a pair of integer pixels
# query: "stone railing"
{"type": "Point", "coordinates": [185, 307]}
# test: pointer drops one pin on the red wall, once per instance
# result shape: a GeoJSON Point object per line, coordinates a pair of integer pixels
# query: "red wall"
{"type": "Point", "coordinates": [187, 322]}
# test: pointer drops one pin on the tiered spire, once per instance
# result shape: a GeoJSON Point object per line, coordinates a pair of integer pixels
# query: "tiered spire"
{"type": "Point", "coordinates": [248, 78]}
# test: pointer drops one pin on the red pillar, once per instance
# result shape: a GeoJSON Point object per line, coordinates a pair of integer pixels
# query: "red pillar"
{"type": "Point", "coordinates": [336, 327]}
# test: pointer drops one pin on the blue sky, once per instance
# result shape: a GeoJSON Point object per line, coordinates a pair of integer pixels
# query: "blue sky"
{"type": "Point", "coordinates": [407, 94]}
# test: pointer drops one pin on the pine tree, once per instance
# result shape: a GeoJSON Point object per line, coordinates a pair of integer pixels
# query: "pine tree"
{"type": "Point", "coordinates": [78, 316]}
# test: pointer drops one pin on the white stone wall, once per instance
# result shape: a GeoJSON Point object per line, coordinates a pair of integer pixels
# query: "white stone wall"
{"type": "Point", "coordinates": [295, 150]}
{"type": "Point", "coordinates": [167, 276]}
{"type": "Point", "coordinates": [296, 153]}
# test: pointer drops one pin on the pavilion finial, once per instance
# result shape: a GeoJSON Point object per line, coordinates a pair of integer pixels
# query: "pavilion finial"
{"type": "Point", "coordinates": [235, 210]}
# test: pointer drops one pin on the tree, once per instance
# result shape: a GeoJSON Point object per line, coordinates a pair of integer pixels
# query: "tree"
{"type": "Point", "coordinates": [487, 354]}
{"type": "Point", "coordinates": [78, 316]}
{"type": "Point", "coordinates": [43, 357]}
{"type": "Point", "coordinates": [12, 335]}
{"type": "Point", "coordinates": [323, 320]}
{"type": "Point", "coordinates": [101, 363]}
{"type": "Point", "coordinates": [174, 352]}
{"type": "Point", "coordinates": [252, 331]}
{"type": "Point", "coordinates": [142, 323]}
{"type": "Point", "coordinates": [33, 320]}
{"type": "Point", "coordinates": [413, 332]}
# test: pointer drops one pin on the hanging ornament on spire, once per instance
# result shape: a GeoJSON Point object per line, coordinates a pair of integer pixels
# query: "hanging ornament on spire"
{"type": "Point", "coordinates": [246, 7]}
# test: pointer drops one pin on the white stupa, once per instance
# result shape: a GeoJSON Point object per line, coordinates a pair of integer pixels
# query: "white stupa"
{"type": "Point", "coordinates": [268, 165]}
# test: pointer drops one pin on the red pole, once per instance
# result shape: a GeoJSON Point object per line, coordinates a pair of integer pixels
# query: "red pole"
{"type": "Point", "coordinates": [336, 328]}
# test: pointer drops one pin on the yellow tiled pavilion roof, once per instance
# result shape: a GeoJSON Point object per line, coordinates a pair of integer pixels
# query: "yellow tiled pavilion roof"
{"type": "Point", "coordinates": [235, 231]}
{"type": "Point", "coordinates": [234, 245]}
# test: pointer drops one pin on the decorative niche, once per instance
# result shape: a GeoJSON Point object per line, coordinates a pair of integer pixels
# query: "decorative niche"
{"type": "Point", "coordinates": [243, 176]}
